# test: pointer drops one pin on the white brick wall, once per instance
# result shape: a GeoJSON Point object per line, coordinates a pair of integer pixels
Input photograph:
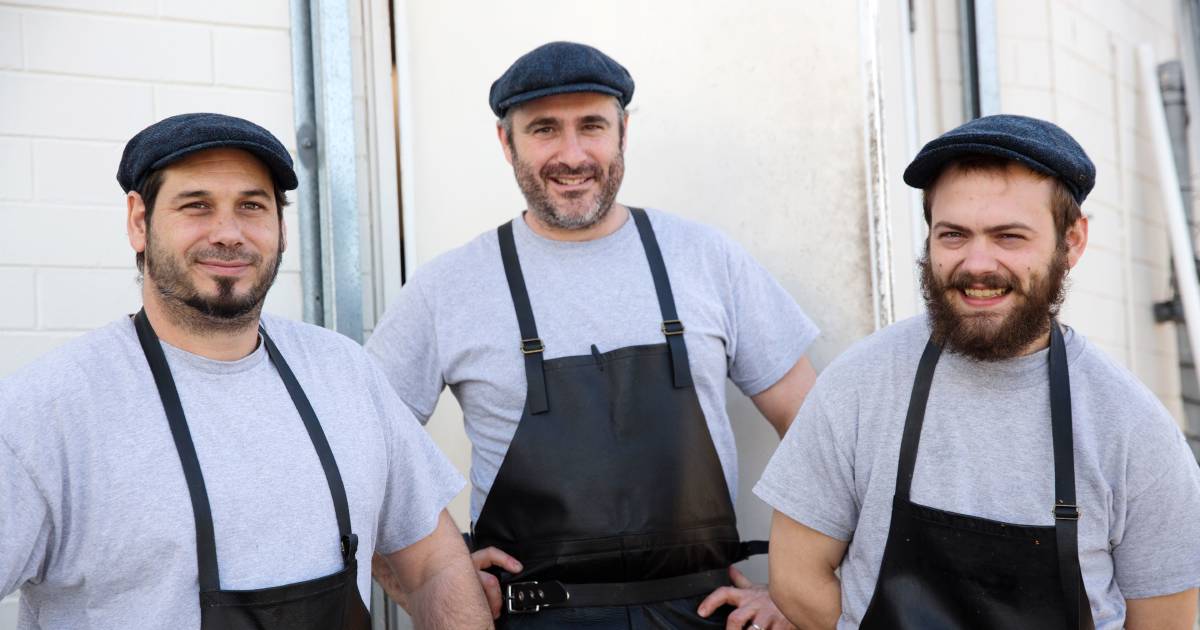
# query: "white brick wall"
{"type": "Point", "coordinates": [79, 78]}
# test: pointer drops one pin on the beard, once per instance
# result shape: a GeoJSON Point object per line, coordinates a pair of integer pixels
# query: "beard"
{"type": "Point", "coordinates": [993, 336]}
{"type": "Point", "coordinates": [224, 311]}
{"type": "Point", "coordinates": [578, 211]}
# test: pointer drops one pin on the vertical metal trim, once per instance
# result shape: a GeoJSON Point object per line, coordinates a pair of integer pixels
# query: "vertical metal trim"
{"type": "Point", "coordinates": [968, 64]}
{"type": "Point", "coordinates": [987, 75]}
{"type": "Point", "coordinates": [337, 175]}
{"type": "Point", "coordinates": [307, 197]}
{"type": "Point", "coordinates": [878, 211]}
{"type": "Point", "coordinates": [912, 139]}
{"type": "Point", "coordinates": [404, 126]}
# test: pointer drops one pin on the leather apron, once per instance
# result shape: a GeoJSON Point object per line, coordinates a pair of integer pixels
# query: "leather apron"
{"type": "Point", "coordinates": [611, 493]}
{"type": "Point", "coordinates": [326, 603]}
{"type": "Point", "coordinates": [948, 571]}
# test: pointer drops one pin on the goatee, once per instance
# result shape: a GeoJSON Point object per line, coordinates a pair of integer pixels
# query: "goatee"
{"type": "Point", "coordinates": [543, 206]}
{"type": "Point", "coordinates": [992, 336]}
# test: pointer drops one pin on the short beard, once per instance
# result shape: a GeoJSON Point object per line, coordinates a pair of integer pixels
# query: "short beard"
{"type": "Point", "coordinates": [540, 203]}
{"type": "Point", "coordinates": [225, 312]}
{"type": "Point", "coordinates": [975, 336]}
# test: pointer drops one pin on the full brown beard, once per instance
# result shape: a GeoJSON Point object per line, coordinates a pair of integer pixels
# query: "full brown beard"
{"type": "Point", "coordinates": [539, 200]}
{"type": "Point", "coordinates": [978, 336]}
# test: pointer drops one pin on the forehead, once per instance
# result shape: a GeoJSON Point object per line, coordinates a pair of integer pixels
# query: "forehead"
{"type": "Point", "coordinates": [571, 105]}
{"type": "Point", "coordinates": [213, 166]}
{"type": "Point", "coordinates": [992, 196]}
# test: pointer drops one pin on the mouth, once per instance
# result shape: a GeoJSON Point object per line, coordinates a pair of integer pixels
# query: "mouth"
{"type": "Point", "coordinates": [983, 297]}
{"type": "Point", "coordinates": [572, 183]}
{"type": "Point", "coordinates": [223, 267]}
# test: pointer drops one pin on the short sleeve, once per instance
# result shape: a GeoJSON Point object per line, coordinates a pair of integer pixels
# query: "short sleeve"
{"type": "Point", "coordinates": [770, 332]}
{"type": "Point", "coordinates": [421, 481]}
{"type": "Point", "coordinates": [810, 478]}
{"type": "Point", "coordinates": [404, 345]}
{"type": "Point", "coordinates": [25, 524]}
{"type": "Point", "coordinates": [1159, 551]}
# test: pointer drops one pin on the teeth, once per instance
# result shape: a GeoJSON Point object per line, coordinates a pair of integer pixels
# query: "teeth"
{"type": "Point", "coordinates": [569, 181]}
{"type": "Point", "coordinates": [984, 293]}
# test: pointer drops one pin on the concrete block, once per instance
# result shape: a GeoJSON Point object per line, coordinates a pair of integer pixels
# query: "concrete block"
{"type": "Point", "coordinates": [269, 109]}
{"type": "Point", "coordinates": [1100, 318]}
{"type": "Point", "coordinates": [1025, 63]}
{"type": "Point", "coordinates": [125, 7]}
{"type": "Point", "coordinates": [77, 172]}
{"type": "Point", "coordinates": [16, 168]}
{"type": "Point", "coordinates": [21, 348]}
{"type": "Point", "coordinates": [1025, 19]}
{"type": "Point", "coordinates": [286, 296]}
{"type": "Point", "coordinates": [1082, 80]}
{"type": "Point", "coordinates": [65, 236]}
{"type": "Point", "coordinates": [20, 311]}
{"type": "Point", "coordinates": [1094, 130]}
{"type": "Point", "coordinates": [1036, 102]}
{"type": "Point", "coordinates": [124, 48]}
{"type": "Point", "coordinates": [949, 57]}
{"type": "Point", "coordinates": [83, 299]}
{"type": "Point", "coordinates": [255, 58]}
{"type": "Point", "coordinates": [274, 13]}
{"type": "Point", "coordinates": [1077, 31]}
{"type": "Point", "coordinates": [75, 108]}
{"type": "Point", "coordinates": [11, 55]}
{"type": "Point", "coordinates": [1100, 272]}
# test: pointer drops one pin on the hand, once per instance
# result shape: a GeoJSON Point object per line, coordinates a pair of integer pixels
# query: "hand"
{"type": "Point", "coordinates": [753, 604]}
{"type": "Point", "coordinates": [493, 557]}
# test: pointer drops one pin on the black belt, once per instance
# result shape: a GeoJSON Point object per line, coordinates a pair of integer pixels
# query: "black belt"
{"type": "Point", "coordinates": [530, 597]}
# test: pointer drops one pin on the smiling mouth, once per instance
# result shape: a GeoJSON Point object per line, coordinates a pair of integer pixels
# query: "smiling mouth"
{"type": "Point", "coordinates": [571, 181]}
{"type": "Point", "coordinates": [985, 294]}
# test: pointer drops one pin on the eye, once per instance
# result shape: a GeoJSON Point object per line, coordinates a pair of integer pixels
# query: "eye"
{"type": "Point", "coordinates": [253, 205]}
{"type": "Point", "coordinates": [196, 205]}
{"type": "Point", "coordinates": [951, 235]}
{"type": "Point", "coordinates": [542, 131]}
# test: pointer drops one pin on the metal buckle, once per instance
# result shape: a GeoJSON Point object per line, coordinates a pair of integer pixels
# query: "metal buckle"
{"type": "Point", "coordinates": [532, 346]}
{"type": "Point", "coordinates": [672, 327]}
{"type": "Point", "coordinates": [1066, 512]}
{"type": "Point", "coordinates": [523, 600]}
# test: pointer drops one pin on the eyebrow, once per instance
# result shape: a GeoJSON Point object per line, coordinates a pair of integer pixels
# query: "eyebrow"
{"type": "Point", "coordinates": [542, 121]}
{"type": "Point", "coordinates": [202, 194]}
{"type": "Point", "coordinates": [1004, 227]}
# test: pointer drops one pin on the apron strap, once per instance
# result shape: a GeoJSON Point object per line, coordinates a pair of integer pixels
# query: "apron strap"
{"type": "Point", "coordinates": [206, 544]}
{"type": "Point", "coordinates": [1066, 513]}
{"type": "Point", "coordinates": [672, 328]}
{"type": "Point", "coordinates": [333, 477]}
{"type": "Point", "coordinates": [531, 346]}
{"type": "Point", "coordinates": [911, 440]}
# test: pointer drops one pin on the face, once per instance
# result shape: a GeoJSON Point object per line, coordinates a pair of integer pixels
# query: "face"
{"type": "Point", "coordinates": [567, 152]}
{"type": "Point", "coordinates": [994, 272]}
{"type": "Point", "coordinates": [214, 239]}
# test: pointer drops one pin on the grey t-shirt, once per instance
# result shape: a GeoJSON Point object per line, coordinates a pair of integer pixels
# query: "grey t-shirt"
{"type": "Point", "coordinates": [986, 450]}
{"type": "Point", "coordinates": [96, 527]}
{"type": "Point", "coordinates": [454, 324]}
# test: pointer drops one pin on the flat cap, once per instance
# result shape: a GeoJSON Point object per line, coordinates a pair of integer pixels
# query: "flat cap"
{"type": "Point", "coordinates": [559, 68]}
{"type": "Point", "coordinates": [170, 139]}
{"type": "Point", "coordinates": [1039, 145]}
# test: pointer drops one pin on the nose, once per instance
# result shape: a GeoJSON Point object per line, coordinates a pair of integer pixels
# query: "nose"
{"type": "Point", "coordinates": [571, 151]}
{"type": "Point", "coordinates": [980, 258]}
{"type": "Point", "coordinates": [226, 229]}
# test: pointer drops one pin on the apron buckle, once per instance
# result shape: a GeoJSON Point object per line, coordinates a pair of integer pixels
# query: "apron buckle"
{"type": "Point", "coordinates": [672, 327]}
{"type": "Point", "coordinates": [532, 346]}
{"type": "Point", "coordinates": [1066, 512]}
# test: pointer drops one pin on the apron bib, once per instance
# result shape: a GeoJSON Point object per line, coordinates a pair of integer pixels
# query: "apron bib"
{"type": "Point", "coordinates": [331, 602]}
{"type": "Point", "coordinates": [948, 571]}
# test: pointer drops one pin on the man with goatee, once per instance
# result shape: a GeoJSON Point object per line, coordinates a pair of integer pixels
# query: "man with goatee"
{"type": "Point", "coordinates": [202, 465]}
{"type": "Point", "coordinates": [983, 466]}
{"type": "Point", "coordinates": [589, 344]}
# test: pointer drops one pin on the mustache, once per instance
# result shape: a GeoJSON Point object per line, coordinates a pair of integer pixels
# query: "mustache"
{"type": "Point", "coordinates": [226, 254]}
{"type": "Point", "coordinates": [560, 170]}
{"type": "Point", "coordinates": [962, 280]}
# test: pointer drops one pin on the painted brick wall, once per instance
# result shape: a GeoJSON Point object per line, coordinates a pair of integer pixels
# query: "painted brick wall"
{"type": "Point", "coordinates": [1074, 62]}
{"type": "Point", "coordinates": [78, 79]}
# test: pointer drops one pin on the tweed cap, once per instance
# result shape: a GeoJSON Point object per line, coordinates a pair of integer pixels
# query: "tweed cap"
{"type": "Point", "coordinates": [559, 68]}
{"type": "Point", "coordinates": [171, 139]}
{"type": "Point", "coordinates": [1037, 144]}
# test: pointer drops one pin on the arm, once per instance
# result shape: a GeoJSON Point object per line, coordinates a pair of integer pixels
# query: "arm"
{"type": "Point", "coordinates": [780, 402]}
{"type": "Point", "coordinates": [434, 580]}
{"type": "Point", "coordinates": [804, 584]}
{"type": "Point", "coordinates": [1168, 612]}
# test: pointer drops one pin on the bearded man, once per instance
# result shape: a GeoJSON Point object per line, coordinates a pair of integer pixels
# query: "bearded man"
{"type": "Point", "coordinates": [200, 465]}
{"type": "Point", "coordinates": [984, 466]}
{"type": "Point", "coordinates": [588, 344]}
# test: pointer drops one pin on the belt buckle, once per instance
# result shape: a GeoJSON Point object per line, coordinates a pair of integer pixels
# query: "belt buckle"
{"type": "Point", "coordinates": [523, 601]}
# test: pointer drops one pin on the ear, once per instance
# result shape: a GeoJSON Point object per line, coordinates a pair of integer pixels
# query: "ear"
{"type": "Point", "coordinates": [1076, 238]}
{"type": "Point", "coordinates": [504, 143]}
{"type": "Point", "coordinates": [135, 221]}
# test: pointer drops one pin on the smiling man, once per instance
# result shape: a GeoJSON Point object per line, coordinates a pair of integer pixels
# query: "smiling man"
{"type": "Point", "coordinates": [589, 345]}
{"type": "Point", "coordinates": [200, 465]}
{"type": "Point", "coordinates": [983, 466]}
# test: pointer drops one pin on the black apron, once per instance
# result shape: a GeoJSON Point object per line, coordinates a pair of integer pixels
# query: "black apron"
{"type": "Point", "coordinates": [331, 602]}
{"type": "Point", "coordinates": [948, 571]}
{"type": "Point", "coordinates": [611, 493]}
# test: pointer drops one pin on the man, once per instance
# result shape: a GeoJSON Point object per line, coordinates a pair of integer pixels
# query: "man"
{"type": "Point", "coordinates": [588, 344]}
{"type": "Point", "coordinates": [201, 466]}
{"type": "Point", "coordinates": [1027, 481]}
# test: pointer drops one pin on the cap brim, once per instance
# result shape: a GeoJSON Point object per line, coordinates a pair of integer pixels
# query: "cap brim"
{"type": "Point", "coordinates": [924, 170]}
{"type": "Point", "coordinates": [503, 106]}
{"type": "Point", "coordinates": [283, 173]}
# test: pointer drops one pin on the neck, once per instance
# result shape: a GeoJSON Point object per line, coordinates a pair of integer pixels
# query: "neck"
{"type": "Point", "coordinates": [188, 333]}
{"type": "Point", "coordinates": [611, 222]}
{"type": "Point", "coordinates": [1040, 343]}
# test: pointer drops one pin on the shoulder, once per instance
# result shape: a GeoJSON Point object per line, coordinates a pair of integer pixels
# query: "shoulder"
{"type": "Point", "coordinates": [1128, 406]}
{"type": "Point", "coordinates": [290, 334]}
{"type": "Point", "coordinates": [483, 251]}
{"type": "Point", "coordinates": [675, 229]}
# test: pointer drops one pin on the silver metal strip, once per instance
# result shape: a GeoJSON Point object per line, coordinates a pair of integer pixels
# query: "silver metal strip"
{"type": "Point", "coordinates": [307, 198]}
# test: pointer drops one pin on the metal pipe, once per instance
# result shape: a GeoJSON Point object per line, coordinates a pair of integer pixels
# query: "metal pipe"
{"type": "Point", "coordinates": [1181, 245]}
{"type": "Point", "coordinates": [878, 212]}
{"type": "Point", "coordinates": [307, 197]}
{"type": "Point", "coordinates": [912, 140]}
